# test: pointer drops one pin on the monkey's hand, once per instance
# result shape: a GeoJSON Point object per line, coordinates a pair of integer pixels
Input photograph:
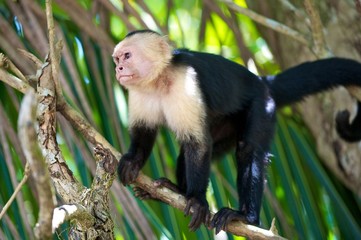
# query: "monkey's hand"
{"type": "Point", "coordinates": [226, 215]}
{"type": "Point", "coordinates": [128, 168]}
{"type": "Point", "coordinates": [201, 213]}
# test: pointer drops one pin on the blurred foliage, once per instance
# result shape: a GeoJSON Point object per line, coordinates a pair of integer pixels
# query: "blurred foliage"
{"type": "Point", "coordinates": [307, 202]}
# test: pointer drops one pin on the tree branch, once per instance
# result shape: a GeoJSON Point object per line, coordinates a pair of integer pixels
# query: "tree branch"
{"type": "Point", "coordinates": [179, 201]}
{"type": "Point", "coordinates": [27, 134]}
{"type": "Point", "coordinates": [270, 23]}
{"type": "Point", "coordinates": [7, 64]}
{"type": "Point", "coordinates": [55, 49]}
{"type": "Point", "coordinates": [67, 186]}
{"type": "Point", "coordinates": [10, 79]}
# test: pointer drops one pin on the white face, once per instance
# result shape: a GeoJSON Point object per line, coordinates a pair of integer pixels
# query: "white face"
{"type": "Point", "coordinates": [127, 72]}
{"type": "Point", "coordinates": [140, 59]}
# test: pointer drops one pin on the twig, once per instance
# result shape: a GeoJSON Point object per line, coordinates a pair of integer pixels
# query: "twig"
{"type": "Point", "coordinates": [291, 7]}
{"type": "Point", "coordinates": [32, 58]}
{"type": "Point", "coordinates": [18, 188]}
{"type": "Point", "coordinates": [319, 43]}
{"type": "Point", "coordinates": [270, 23]}
{"type": "Point", "coordinates": [128, 8]}
{"type": "Point", "coordinates": [13, 81]}
{"type": "Point", "coordinates": [55, 49]}
{"type": "Point", "coordinates": [146, 9]}
{"type": "Point", "coordinates": [7, 64]}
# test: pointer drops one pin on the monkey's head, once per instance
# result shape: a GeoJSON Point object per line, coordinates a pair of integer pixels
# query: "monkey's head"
{"type": "Point", "coordinates": [141, 57]}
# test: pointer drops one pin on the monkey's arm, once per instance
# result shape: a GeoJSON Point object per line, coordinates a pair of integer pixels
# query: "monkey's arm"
{"type": "Point", "coordinates": [142, 141]}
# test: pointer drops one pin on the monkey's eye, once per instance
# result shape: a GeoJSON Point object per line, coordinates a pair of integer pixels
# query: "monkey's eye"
{"type": "Point", "coordinates": [116, 60]}
{"type": "Point", "coordinates": [127, 55]}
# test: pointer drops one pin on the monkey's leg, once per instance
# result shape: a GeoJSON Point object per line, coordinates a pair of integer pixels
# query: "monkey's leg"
{"type": "Point", "coordinates": [197, 157]}
{"type": "Point", "coordinates": [252, 149]}
{"type": "Point", "coordinates": [181, 172]}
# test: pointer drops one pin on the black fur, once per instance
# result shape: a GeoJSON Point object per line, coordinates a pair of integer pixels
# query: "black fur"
{"type": "Point", "coordinates": [308, 78]}
{"type": "Point", "coordinates": [216, 75]}
{"type": "Point", "coordinates": [240, 114]}
{"type": "Point", "coordinates": [237, 114]}
{"type": "Point", "coordinates": [141, 31]}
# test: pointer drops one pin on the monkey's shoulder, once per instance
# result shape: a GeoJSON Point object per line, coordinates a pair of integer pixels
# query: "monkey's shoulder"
{"type": "Point", "coordinates": [226, 86]}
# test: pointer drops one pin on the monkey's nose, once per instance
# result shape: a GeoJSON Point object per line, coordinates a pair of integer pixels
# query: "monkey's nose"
{"type": "Point", "coordinates": [121, 68]}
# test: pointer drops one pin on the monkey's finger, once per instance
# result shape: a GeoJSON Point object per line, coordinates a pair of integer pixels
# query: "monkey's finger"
{"type": "Point", "coordinates": [195, 221]}
{"type": "Point", "coordinates": [208, 219]}
{"type": "Point", "coordinates": [142, 194]}
{"type": "Point", "coordinates": [215, 223]}
{"type": "Point", "coordinates": [224, 222]}
{"type": "Point", "coordinates": [221, 222]}
{"type": "Point", "coordinates": [187, 209]}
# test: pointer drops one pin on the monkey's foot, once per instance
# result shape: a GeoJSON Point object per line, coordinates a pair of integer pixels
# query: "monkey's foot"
{"type": "Point", "coordinates": [160, 182]}
{"type": "Point", "coordinates": [128, 169]}
{"type": "Point", "coordinates": [143, 194]}
{"type": "Point", "coordinates": [226, 215]}
{"type": "Point", "coordinates": [165, 182]}
{"type": "Point", "coordinates": [201, 213]}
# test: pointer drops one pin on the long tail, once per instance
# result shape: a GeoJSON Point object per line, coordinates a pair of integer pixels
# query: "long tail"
{"type": "Point", "coordinates": [308, 78]}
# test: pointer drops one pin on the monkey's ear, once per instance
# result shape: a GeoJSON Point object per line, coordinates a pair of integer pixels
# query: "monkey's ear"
{"type": "Point", "coordinates": [166, 47]}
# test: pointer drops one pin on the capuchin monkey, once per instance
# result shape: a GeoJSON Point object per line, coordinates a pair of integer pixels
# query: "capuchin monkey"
{"type": "Point", "coordinates": [213, 105]}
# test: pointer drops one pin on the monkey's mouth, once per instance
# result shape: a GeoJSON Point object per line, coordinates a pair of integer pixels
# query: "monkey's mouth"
{"type": "Point", "coordinates": [125, 79]}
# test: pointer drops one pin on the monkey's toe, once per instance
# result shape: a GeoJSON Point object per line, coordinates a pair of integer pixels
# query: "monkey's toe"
{"type": "Point", "coordinates": [226, 215]}
{"type": "Point", "coordinates": [165, 182]}
{"type": "Point", "coordinates": [201, 213]}
{"type": "Point", "coordinates": [142, 194]}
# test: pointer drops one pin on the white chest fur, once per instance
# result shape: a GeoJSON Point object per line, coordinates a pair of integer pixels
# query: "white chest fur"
{"type": "Point", "coordinates": [179, 106]}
